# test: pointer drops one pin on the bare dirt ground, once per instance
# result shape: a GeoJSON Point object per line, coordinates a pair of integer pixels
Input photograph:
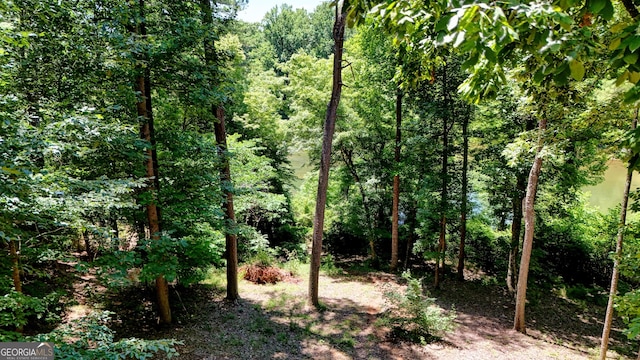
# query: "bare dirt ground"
{"type": "Point", "coordinates": [272, 322]}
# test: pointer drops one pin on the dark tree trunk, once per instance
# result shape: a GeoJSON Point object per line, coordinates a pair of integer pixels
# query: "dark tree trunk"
{"type": "Point", "coordinates": [442, 240]}
{"type": "Point", "coordinates": [15, 264]}
{"type": "Point", "coordinates": [162, 287]}
{"type": "Point", "coordinates": [396, 184]}
{"type": "Point", "coordinates": [516, 225]}
{"type": "Point", "coordinates": [463, 199]}
{"type": "Point", "coordinates": [231, 241]}
{"type": "Point", "coordinates": [347, 156]}
{"type": "Point", "coordinates": [516, 230]}
{"type": "Point", "coordinates": [87, 245]}
{"type": "Point", "coordinates": [529, 224]}
{"type": "Point", "coordinates": [411, 220]}
{"type": "Point", "coordinates": [327, 139]}
{"type": "Point", "coordinates": [606, 330]}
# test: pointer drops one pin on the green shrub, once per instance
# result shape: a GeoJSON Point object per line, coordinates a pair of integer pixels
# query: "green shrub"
{"type": "Point", "coordinates": [329, 267]}
{"type": "Point", "coordinates": [415, 316]}
{"type": "Point", "coordinates": [89, 338]}
{"type": "Point", "coordinates": [262, 259]}
{"type": "Point", "coordinates": [16, 309]}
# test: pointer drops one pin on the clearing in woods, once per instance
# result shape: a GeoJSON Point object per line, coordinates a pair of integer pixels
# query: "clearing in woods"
{"type": "Point", "coordinates": [272, 321]}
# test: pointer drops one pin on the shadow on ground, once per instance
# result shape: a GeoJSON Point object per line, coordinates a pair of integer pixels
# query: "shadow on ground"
{"type": "Point", "coordinates": [571, 324]}
{"type": "Point", "coordinates": [281, 327]}
{"type": "Point", "coordinates": [277, 325]}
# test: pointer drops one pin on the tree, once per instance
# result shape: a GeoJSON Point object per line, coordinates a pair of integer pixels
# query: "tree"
{"type": "Point", "coordinates": [606, 329]}
{"type": "Point", "coordinates": [396, 184]}
{"type": "Point", "coordinates": [529, 223]}
{"type": "Point", "coordinates": [464, 197]}
{"type": "Point", "coordinates": [556, 48]}
{"type": "Point", "coordinates": [327, 139]}
{"type": "Point", "coordinates": [225, 173]}
{"type": "Point", "coordinates": [447, 122]}
{"type": "Point", "coordinates": [287, 30]}
{"type": "Point", "coordinates": [141, 86]}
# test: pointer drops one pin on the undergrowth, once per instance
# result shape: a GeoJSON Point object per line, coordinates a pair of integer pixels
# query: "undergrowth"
{"type": "Point", "coordinates": [414, 316]}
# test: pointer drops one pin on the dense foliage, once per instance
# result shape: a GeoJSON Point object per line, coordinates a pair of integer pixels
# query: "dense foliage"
{"type": "Point", "coordinates": [74, 184]}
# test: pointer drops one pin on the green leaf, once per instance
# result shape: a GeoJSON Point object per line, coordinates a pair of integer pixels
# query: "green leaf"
{"type": "Point", "coordinates": [630, 58]}
{"type": "Point", "coordinates": [443, 22]}
{"type": "Point", "coordinates": [634, 43]}
{"type": "Point", "coordinates": [614, 44]}
{"type": "Point", "coordinates": [597, 5]}
{"type": "Point", "coordinates": [490, 55]}
{"type": "Point", "coordinates": [607, 11]}
{"type": "Point", "coordinates": [471, 61]}
{"type": "Point", "coordinates": [624, 76]}
{"type": "Point", "coordinates": [577, 70]}
{"type": "Point", "coordinates": [538, 76]}
{"type": "Point", "coordinates": [10, 171]}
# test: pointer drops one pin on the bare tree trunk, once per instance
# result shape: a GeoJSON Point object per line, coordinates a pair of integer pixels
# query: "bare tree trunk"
{"type": "Point", "coordinates": [87, 245]}
{"type": "Point", "coordinates": [516, 225]}
{"type": "Point", "coordinates": [529, 224]}
{"type": "Point", "coordinates": [347, 156]}
{"type": "Point", "coordinates": [606, 330]}
{"type": "Point", "coordinates": [396, 185]}
{"type": "Point", "coordinates": [162, 287]}
{"type": "Point", "coordinates": [231, 241]}
{"type": "Point", "coordinates": [442, 240]}
{"type": "Point", "coordinates": [15, 264]}
{"type": "Point", "coordinates": [463, 198]}
{"type": "Point", "coordinates": [516, 229]}
{"type": "Point", "coordinates": [114, 227]}
{"type": "Point", "coordinates": [327, 139]}
{"type": "Point", "coordinates": [411, 214]}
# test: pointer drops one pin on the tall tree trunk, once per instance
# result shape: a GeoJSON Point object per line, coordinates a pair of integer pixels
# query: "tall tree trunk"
{"type": "Point", "coordinates": [396, 184]}
{"type": "Point", "coordinates": [114, 226]}
{"type": "Point", "coordinates": [606, 330]}
{"type": "Point", "coordinates": [327, 139]}
{"type": "Point", "coordinates": [162, 287]}
{"type": "Point", "coordinates": [87, 244]}
{"type": "Point", "coordinates": [516, 229]}
{"type": "Point", "coordinates": [231, 241]}
{"type": "Point", "coordinates": [442, 240]}
{"type": "Point", "coordinates": [347, 156]}
{"type": "Point", "coordinates": [15, 264]}
{"type": "Point", "coordinates": [516, 225]}
{"type": "Point", "coordinates": [516, 232]}
{"type": "Point", "coordinates": [463, 198]}
{"type": "Point", "coordinates": [529, 223]}
{"type": "Point", "coordinates": [411, 221]}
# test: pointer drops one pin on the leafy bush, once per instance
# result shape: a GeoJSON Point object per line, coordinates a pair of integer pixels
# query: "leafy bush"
{"type": "Point", "coordinates": [16, 309]}
{"type": "Point", "coordinates": [414, 315]}
{"type": "Point", "coordinates": [89, 338]}
{"type": "Point", "coordinates": [486, 248]}
{"type": "Point", "coordinates": [329, 267]}
{"type": "Point", "coordinates": [185, 260]}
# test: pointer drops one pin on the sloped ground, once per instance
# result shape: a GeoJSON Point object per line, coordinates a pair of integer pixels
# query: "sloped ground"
{"type": "Point", "coordinates": [272, 322]}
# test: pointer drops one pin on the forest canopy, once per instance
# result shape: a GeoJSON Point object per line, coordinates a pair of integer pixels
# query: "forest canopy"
{"type": "Point", "coordinates": [151, 143]}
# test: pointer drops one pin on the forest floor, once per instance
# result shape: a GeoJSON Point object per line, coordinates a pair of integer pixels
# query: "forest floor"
{"type": "Point", "coordinates": [272, 321]}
